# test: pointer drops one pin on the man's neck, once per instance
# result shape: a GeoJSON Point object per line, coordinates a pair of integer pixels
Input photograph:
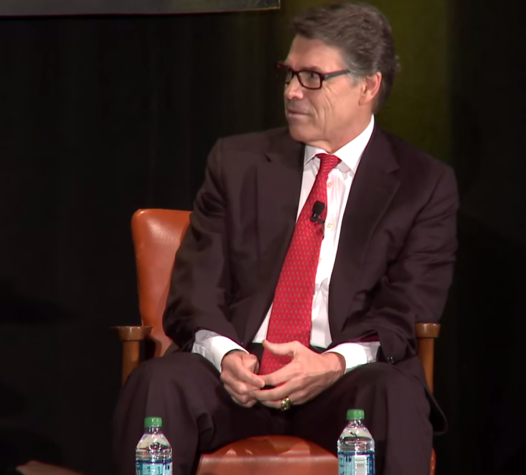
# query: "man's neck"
{"type": "Point", "coordinates": [347, 136]}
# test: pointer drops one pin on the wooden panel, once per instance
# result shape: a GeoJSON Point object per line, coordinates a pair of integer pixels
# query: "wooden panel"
{"type": "Point", "coordinates": [124, 7]}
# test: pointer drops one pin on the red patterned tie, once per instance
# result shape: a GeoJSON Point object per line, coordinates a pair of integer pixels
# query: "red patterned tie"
{"type": "Point", "coordinates": [291, 316]}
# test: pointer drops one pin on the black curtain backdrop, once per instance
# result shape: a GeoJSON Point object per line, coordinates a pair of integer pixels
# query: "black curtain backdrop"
{"type": "Point", "coordinates": [102, 116]}
{"type": "Point", "coordinates": [485, 331]}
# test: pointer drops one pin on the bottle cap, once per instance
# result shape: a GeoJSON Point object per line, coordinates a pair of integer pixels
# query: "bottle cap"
{"type": "Point", "coordinates": [153, 422]}
{"type": "Point", "coordinates": [355, 414]}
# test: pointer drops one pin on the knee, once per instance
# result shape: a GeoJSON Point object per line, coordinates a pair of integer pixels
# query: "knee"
{"type": "Point", "coordinates": [390, 378]}
{"type": "Point", "coordinates": [386, 380]}
{"type": "Point", "coordinates": [176, 368]}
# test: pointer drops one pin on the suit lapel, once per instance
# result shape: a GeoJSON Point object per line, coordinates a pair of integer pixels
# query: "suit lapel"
{"type": "Point", "coordinates": [373, 189]}
{"type": "Point", "coordinates": [278, 187]}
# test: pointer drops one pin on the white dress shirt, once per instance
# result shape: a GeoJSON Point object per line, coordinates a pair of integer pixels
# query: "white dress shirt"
{"type": "Point", "coordinates": [214, 347]}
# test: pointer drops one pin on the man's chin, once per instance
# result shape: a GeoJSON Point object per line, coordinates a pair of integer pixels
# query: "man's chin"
{"type": "Point", "coordinates": [298, 133]}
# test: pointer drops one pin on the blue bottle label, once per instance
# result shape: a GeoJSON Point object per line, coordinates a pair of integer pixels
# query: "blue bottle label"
{"type": "Point", "coordinates": [356, 464]}
{"type": "Point", "coordinates": [149, 468]}
{"type": "Point", "coordinates": [168, 467]}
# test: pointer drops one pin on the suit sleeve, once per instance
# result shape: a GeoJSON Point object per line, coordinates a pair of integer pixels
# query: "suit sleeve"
{"type": "Point", "coordinates": [415, 286]}
{"type": "Point", "coordinates": [199, 288]}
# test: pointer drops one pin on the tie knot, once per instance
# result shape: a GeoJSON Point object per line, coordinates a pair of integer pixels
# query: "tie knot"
{"type": "Point", "coordinates": [327, 161]}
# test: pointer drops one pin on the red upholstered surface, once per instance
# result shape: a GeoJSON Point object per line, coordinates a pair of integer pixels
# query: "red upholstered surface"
{"type": "Point", "coordinates": [281, 455]}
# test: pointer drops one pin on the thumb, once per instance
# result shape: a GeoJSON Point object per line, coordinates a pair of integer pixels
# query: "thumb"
{"type": "Point", "coordinates": [250, 362]}
{"type": "Point", "coordinates": [285, 349]}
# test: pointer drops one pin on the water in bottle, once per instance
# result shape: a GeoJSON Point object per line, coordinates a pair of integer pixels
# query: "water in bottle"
{"type": "Point", "coordinates": [355, 446]}
{"type": "Point", "coordinates": [153, 455]}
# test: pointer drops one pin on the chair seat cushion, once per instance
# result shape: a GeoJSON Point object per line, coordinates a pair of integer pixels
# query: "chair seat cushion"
{"type": "Point", "coordinates": [284, 455]}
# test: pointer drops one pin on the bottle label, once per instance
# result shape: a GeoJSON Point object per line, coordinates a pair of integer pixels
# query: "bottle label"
{"type": "Point", "coordinates": [356, 464]}
{"type": "Point", "coordinates": [150, 468]}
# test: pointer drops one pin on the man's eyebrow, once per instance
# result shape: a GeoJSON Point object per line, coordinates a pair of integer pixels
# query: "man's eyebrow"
{"type": "Point", "coordinates": [305, 68]}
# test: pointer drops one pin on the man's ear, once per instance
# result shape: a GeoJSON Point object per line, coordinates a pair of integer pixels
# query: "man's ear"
{"type": "Point", "coordinates": [370, 88]}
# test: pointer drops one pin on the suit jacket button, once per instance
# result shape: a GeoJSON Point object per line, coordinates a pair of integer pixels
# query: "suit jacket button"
{"type": "Point", "coordinates": [390, 359]}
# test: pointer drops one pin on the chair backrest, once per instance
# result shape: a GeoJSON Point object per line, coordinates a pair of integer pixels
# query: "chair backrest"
{"type": "Point", "coordinates": [157, 234]}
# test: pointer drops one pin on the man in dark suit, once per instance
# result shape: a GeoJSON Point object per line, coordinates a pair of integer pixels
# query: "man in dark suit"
{"type": "Point", "coordinates": [312, 253]}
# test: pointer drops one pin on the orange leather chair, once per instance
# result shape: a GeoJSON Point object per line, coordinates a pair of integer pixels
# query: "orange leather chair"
{"type": "Point", "coordinates": [157, 234]}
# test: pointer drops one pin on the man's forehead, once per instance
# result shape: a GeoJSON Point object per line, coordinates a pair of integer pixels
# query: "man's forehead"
{"type": "Point", "coordinates": [313, 54]}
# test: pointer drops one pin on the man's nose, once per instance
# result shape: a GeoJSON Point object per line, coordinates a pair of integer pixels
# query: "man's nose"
{"type": "Point", "coordinates": [294, 90]}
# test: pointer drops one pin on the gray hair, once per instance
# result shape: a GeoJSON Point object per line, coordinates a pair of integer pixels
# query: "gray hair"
{"type": "Point", "coordinates": [361, 32]}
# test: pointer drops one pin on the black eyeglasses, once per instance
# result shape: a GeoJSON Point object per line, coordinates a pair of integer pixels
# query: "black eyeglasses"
{"type": "Point", "coordinates": [307, 78]}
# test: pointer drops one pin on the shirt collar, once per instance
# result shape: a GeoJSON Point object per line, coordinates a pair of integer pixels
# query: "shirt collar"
{"type": "Point", "coordinates": [350, 154]}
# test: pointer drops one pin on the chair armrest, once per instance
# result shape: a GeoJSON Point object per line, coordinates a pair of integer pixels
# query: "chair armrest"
{"type": "Point", "coordinates": [427, 330]}
{"type": "Point", "coordinates": [131, 337]}
{"type": "Point", "coordinates": [132, 333]}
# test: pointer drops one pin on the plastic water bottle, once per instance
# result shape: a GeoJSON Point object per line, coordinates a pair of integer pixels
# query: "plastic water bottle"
{"type": "Point", "coordinates": [355, 446]}
{"type": "Point", "coordinates": [153, 455]}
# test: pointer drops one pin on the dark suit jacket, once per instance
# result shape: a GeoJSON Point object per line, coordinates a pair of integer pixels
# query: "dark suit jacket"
{"type": "Point", "coordinates": [395, 255]}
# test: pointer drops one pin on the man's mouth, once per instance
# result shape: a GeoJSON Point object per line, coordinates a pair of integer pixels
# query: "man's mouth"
{"type": "Point", "coordinates": [292, 111]}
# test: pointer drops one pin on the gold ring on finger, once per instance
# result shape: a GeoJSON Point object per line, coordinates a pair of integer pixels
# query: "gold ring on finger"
{"type": "Point", "coordinates": [286, 404]}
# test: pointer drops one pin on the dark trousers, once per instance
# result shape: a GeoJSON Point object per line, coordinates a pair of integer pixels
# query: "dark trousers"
{"type": "Point", "coordinates": [199, 415]}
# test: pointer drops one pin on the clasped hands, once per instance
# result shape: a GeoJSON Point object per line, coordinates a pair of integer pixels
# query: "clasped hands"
{"type": "Point", "coordinates": [306, 376]}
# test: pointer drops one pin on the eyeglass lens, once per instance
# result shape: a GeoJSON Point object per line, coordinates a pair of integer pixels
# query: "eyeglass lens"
{"type": "Point", "coordinates": [308, 79]}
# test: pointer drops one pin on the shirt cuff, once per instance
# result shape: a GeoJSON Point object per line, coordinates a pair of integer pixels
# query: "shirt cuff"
{"type": "Point", "coordinates": [356, 354]}
{"type": "Point", "coordinates": [214, 347]}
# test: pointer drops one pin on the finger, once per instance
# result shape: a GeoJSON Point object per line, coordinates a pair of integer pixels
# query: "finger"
{"type": "Point", "coordinates": [296, 398]}
{"type": "Point", "coordinates": [235, 370]}
{"type": "Point", "coordinates": [281, 376]}
{"type": "Point", "coordinates": [278, 403]}
{"type": "Point", "coordinates": [247, 376]}
{"type": "Point", "coordinates": [240, 399]}
{"type": "Point", "coordinates": [250, 379]}
{"type": "Point", "coordinates": [237, 385]}
{"type": "Point", "coordinates": [286, 349]}
{"type": "Point", "coordinates": [272, 404]}
{"type": "Point", "coordinates": [276, 394]}
{"type": "Point", "coordinates": [252, 365]}
{"type": "Point", "coordinates": [299, 397]}
{"type": "Point", "coordinates": [248, 404]}
{"type": "Point", "coordinates": [242, 388]}
{"type": "Point", "coordinates": [243, 403]}
{"type": "Point", "coordinates": [274, 380]}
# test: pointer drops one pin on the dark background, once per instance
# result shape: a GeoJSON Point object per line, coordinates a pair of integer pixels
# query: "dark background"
{"type": "Point", "coordinates": [102, 116]}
